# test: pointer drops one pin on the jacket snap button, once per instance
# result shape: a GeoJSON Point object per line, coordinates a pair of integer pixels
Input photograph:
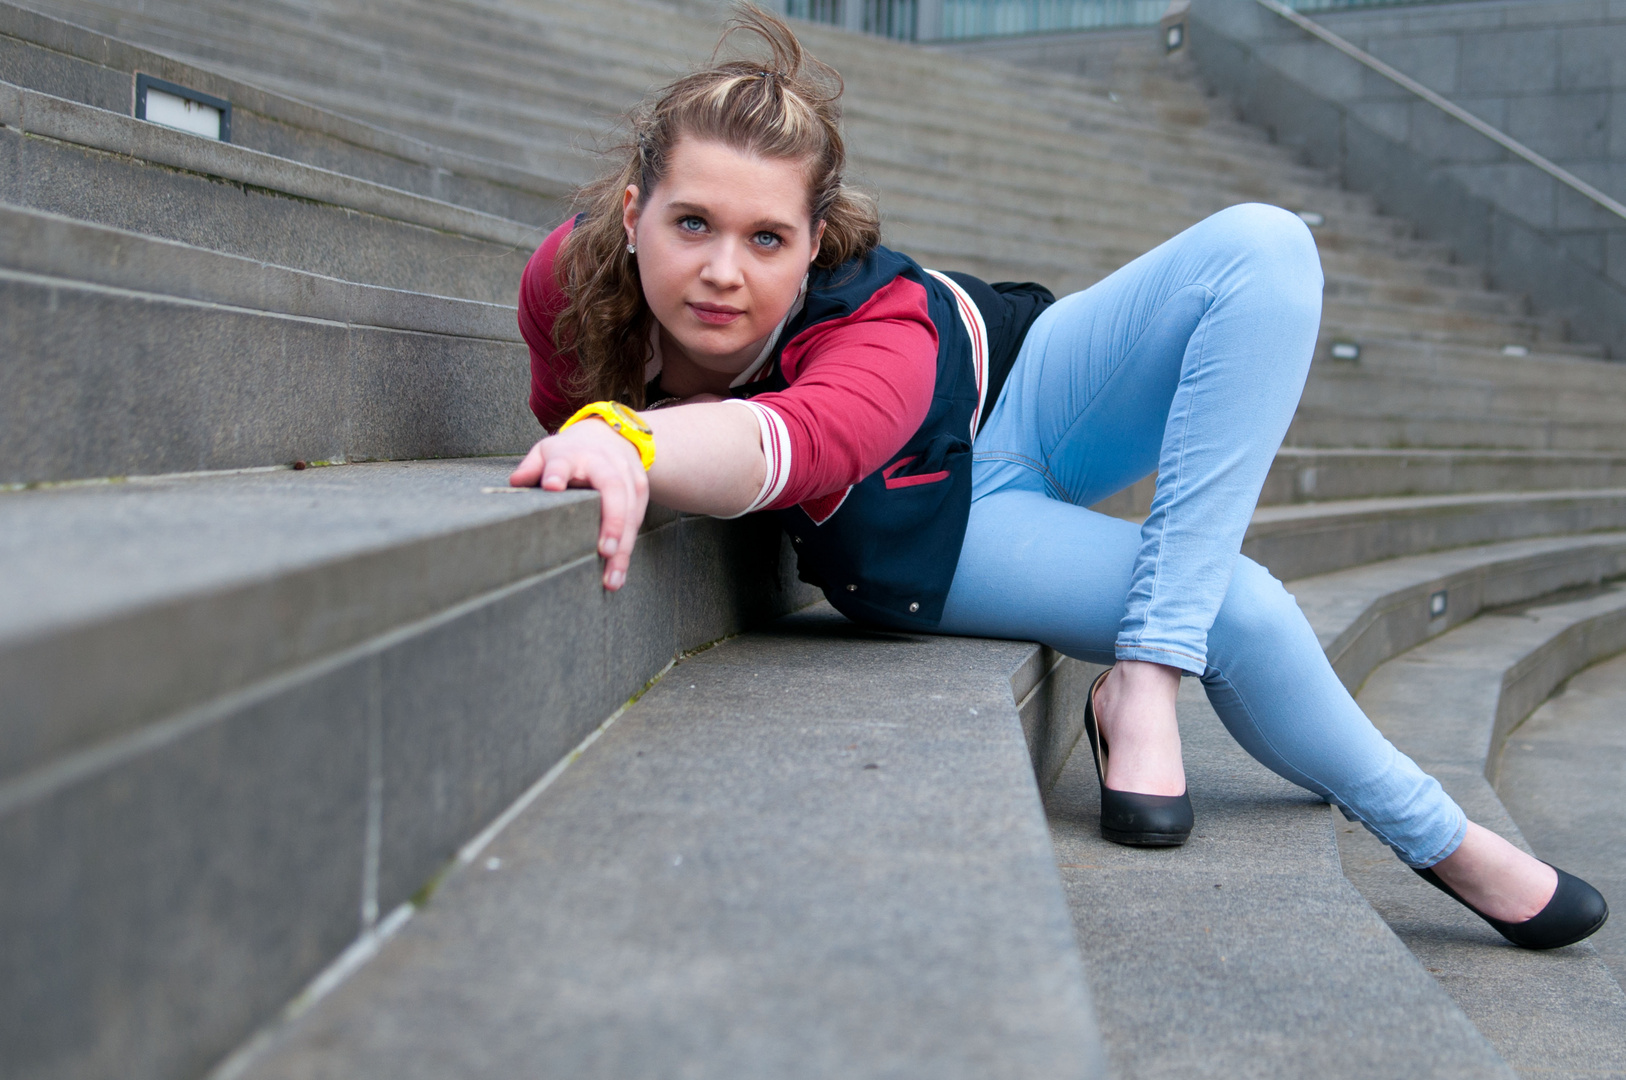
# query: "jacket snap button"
{"type": "Point", "coordinates": [914, 607]}
{"type": "Point", "coordinates": [852, 588]}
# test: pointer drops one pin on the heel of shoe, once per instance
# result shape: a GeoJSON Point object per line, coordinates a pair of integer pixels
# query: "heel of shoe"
{"type": "Point", "coordinates": [1131, 817]}
{"type": "Point", "coordinates": [1139, 820]}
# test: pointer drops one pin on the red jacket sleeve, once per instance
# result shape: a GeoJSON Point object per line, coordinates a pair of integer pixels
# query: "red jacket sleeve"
{"type": "Point", "coordinates": [860, 386]}
{"type": "Point", "coordinates": [541, 299]}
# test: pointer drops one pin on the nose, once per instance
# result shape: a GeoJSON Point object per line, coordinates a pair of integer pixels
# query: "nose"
{"type": "Point", "coordinates": [723, 269]}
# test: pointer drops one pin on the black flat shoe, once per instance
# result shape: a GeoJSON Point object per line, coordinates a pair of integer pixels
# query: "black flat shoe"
{"type": "Point", "coordinates": [1130, 817]}
{"type": "Point", "coordinates": [1576, 911]}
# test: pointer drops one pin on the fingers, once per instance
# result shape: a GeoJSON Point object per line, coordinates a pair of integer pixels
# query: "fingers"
{"type": "Point", "coordinates": [589, 457]}
{"type": "Point", "coordinates": [624, 494]}
{"type": "Point", "coordinates": [529, 471]}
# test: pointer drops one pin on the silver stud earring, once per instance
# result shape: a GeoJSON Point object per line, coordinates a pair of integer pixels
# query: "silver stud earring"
{"type": "Point", "coordinates": [632, 249]}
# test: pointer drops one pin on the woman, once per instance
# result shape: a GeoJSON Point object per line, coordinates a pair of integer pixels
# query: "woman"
{"type": "Point", "coordinates": [725, 280]}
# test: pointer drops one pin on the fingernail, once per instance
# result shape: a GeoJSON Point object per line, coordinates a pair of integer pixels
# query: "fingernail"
{"type": "Point", "coordinates": [616, 579]}
{"type": "Point", "coordinates": [608, 547]}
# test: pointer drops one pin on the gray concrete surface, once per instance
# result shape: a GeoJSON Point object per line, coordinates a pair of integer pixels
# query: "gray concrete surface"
{"type": "Point", "coordinates": [1534, 69]}
{"type": "Point", "coordinates": [1305, 474]}
{"type": "Point", "coordinates": [1562, 776]}
{"type": "Point", "coordinates": [1449, 703]}
{"type": "Point", "coordinates": [53, 245]}
{"type": "Point", "coordinates": [103, 382]}
{"type": "Point", "coordinates": [1245, 952]}
{"type": "Point", "coordinates": [1310, 474]}
{"type": "Point", "coordinates": [1317, 538]}
{"type": "Point", "coordinates": [245, 714]}
{"type": "Point", "coordinates": [59, 58]}
{"type": "Point", "coordinates": [185, 589]}
{"type": "Point", "coordinates": [750, 876]}
{"type": "Point", "coordinates": [1369, 614]}
{"type": "Point", "coordinates": [233, 363]}
{"type": "Point", "coordinates": [68, 158]}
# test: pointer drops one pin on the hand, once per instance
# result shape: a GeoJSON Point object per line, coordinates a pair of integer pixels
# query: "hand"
{"type": "Point", "coordinates": [591, 454]}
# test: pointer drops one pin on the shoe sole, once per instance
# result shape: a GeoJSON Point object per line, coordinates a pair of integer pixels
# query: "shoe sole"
{"type": "Point", "coordinates": [1146, 839]}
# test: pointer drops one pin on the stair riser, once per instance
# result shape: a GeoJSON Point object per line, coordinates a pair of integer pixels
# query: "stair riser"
{"type": "Point", "coordinates": [1426, 398]}
{"type": "Point", "coordinates": [1321, 545]}
{"type": "Point", "coordinates": [1402, 620]}
{"type": "Point", "coordinates": [101, 382]}
{"type": "Point", "coordinates": [333, 240]}
{"type": "Point", "coordinates": [1312, 428]}
{"type": "Point", "coordinates": [1295, 480]}
{"type": "Point", "coordinates": [1068, 216]}
{"type": "Point", "coordinates": [56, 73]}
{"type": "Point", "coordinates": [479, 60]}
{"type": "Point", "coordinates": [394, 85]}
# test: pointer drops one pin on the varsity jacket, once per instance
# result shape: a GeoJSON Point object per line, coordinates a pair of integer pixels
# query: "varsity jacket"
{"type": "Point", "coordinates": [884, 550]}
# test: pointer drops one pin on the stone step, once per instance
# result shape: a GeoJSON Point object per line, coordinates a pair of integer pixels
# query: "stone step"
{"type": "Point", "coordinates": [67, 61]}
{"type": "Point", "coordinates": [1367, 615]}
{"type": "Point", "coordinates": [1316, 427]}
{"type": "Point", "coordinates": [1450, 704]}
{"type": "Point", "coordinates": [1129, 248]}
{"type": "Point", "coordinates": [1246, 952]}
{"type": "Point", "coordinates": [1423, 394]}
{"type": "Point", "coordinates": [233, 363]}
{"type": "Point", "coordinates": [1254, 993]}
{"type": "Point", "coordinates": [514, 137]}
{"type": "Point", "coordinates": [1317, 538]}
{"type": "Point", "coordinates": [65, 157]}
{"type": "Point", "coordinates": [706, 891]}
{"type": "Point", "coordinates": [1142, 244]}
{"type": "Point", "coordinates": [417, 86]}
{"type": "Point", "coordinates": [1310, 474]}
{"type": "Point", "coordinates": [1302, 474]}
{"type": "Point", "coordinates": [1065, 246]}
{"type": "Point", "coordinates": [1559, 777]}
{"type": "Point", "coordinates": [1376, 318]}
{"type": "Point", "coordinates": [248, 713]}
{"type": "Point", "coordinates": [1457, 384]}
{"type": "Point", "coordinates": [440, 44]}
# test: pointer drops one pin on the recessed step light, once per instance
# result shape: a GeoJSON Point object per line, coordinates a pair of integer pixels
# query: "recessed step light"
{"type": "Point", "coordinates": [1515, 350]}
{"type": "Point", "coordinates": [180, 107]}
{"type": "Point", "coordinates": [1436, 604]}
{"type": "Point", "coordinates": [1345, 350]}
{"type": "Point", "coordinates": [1312, 219]}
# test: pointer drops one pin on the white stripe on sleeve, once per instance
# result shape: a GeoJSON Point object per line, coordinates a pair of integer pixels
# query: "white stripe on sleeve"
{"type": "Point", "coordinates": [775, 454]}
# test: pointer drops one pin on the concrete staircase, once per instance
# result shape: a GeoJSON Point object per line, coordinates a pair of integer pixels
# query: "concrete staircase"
{"type": "Point", "coordinates": [287, 768]}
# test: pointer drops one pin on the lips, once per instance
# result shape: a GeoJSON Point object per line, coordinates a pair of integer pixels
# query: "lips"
{"type": "Point", "coordinates": [715, 314]}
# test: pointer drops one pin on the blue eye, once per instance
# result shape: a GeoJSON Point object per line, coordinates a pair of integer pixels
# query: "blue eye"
{"type": "Point", "coordinates": [767, 239]}
{"type": "Point", "coordinates": [690, 223]}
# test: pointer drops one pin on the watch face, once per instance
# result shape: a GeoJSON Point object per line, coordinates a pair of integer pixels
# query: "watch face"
{"type": "Point", "coordinates": [630, 418]}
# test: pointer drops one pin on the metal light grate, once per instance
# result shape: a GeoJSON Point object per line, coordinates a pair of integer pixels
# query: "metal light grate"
{"type": "Point", "coordinates": [999, 18]}
{"type": "Point", "coordinates": [889, 18]}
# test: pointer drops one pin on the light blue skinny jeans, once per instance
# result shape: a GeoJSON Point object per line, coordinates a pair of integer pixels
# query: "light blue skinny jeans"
{"type": "Point", "coordinates": [1190, 361]}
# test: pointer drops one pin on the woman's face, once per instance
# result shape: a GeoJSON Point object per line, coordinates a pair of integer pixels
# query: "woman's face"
{"type": "Point", "coordinates": [723, 244]}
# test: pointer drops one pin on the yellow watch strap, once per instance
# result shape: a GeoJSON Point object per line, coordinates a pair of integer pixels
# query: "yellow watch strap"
{"type": "Point", "coordinates": [626, 423]}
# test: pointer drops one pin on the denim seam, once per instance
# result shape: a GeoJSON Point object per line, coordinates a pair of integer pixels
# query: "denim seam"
{"type": "Point", "coordinates": [1037, 466]}
{"type": "Point", "coordinates": [1172, 652]}
{"type": "Point", "coordinates": [1219, 677]}
{"type": "Point", "coordinates": [1200, 338]}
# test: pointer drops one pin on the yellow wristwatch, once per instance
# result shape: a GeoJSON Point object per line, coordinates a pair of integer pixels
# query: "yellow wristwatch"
{"type": "Point", "coordinates": [628, 424]}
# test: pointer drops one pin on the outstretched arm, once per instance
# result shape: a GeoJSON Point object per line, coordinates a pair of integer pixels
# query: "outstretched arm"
{"type": "Point", "coordinates": [708, 460]}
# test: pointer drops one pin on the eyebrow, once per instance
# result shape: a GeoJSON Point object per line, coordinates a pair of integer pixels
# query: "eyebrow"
{"type": "Point", "coordinates": [696, 208]}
